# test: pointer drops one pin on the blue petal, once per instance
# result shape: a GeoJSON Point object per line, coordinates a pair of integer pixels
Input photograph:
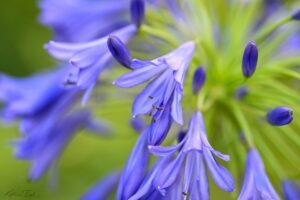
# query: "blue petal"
{"type": "Point", "coordinates": [176, 110]}
{"type": "Point", "coordinates": [169, 174]}
{"type": "Point", "coordinates": [134, 171]}
{"type": "Point", "coordinates": [151, 95]}
{"type": "Point", "coordinates": [103, 188]}
{"type": "Point", "coordinates": [139, 75]}
{"type": "Point", "coordinates": [220, 174]}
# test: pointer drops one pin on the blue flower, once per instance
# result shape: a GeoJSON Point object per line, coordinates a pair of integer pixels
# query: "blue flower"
{"type": "Point", "coordinates": [103, 188]}
{"type": "Point", "coordinates": [135, 169]}
{"type": "Point", "coordinates": [46, 139]}
{"type": "Point", "coordinates": [290, 190]}
{"type": "Point", "coordinates": [161, 98]}
{"type": "Point", "coordinates": [194, 151]}
{"type": "Point", "coordinates": [82, 20]}
{"type": "Point", "coordinates": [87, 59]}
{"type": "Point", "coordinates": [256, 182]}
{"type": "Point", "coordinates": [198, 79]}
{"type": "Point", "coordinates": [250, 58]}
{"type": "Point", "coordinates": [27, 97]}
{"type": "Point", "coordinates": [280, 116]}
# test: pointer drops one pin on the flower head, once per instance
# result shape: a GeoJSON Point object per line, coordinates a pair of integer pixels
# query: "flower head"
{"type": "Point", "coordinates": [26, 97]}
{"type": "Point", "coordinates": [47, 139]}
{"type": "Point", "coordinates": [296, 15]}
{"type": "Point", "coordinates": [194, 151]}
{"type": "Point", "coordinates": [280, 116]}
{"type": "Point", "coordinates": [87, 59]}
{"type": "Point", "coordinates": [164, 93]}
{"type": "Point", "coordinates": [256, 182]}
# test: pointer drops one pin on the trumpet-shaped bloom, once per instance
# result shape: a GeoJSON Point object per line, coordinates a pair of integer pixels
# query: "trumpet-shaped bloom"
{"type": "Point", "coordinates": [135, 169]}
{"type": "Point", "coordinates": [43, 146]}
{"type": "Point", "coordinates": [194, 151]}
{"type": "Point", "coordinates": [162, 96]}
{"type": "Point", "coordinates": [103, 188]}
{"type": "Point", "coordinates": [87, 59]}
{"type": "Point", "coordinates": [26, 97]}
{"type": "Point", "coordinates": [256, 182]}
{"type": "Point", "coordinates": [83, 20]}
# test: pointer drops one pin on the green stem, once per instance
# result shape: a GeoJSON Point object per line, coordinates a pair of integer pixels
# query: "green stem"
{"type": "Point", "coordinates": [160, 34]}
{"type": "Point", "coordinates": [240, 117]}
{"type": "Point", "coordinates": [268, 31]}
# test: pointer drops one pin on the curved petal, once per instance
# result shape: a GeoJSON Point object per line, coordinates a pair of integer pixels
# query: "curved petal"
{"type": "Point", "coordinates": [220, 174]}
{"type": "Point", "coordinates": [151, 95]}
{"type": "Point", "coordinates": [164, 151]}
{"type": "Point", "coordinates": [176, 110]}
{"type": "Point", "coordinates": [169, 174]}
{"type": "Point", "coordinates": [139, 75]}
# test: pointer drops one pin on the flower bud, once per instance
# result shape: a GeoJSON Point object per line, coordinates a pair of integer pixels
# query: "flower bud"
{"type": "Point", "coordinates": [119, 51]}
{"type": "Point", "coordinates": [137, 11]}
{"type": "Point", "coordinates": [296, 15]}
{"type": "Point", "coordinates": [181, 135]}
{"type": "Point", "coordinates": [280, 116]}
{"type": "Point", "coordinates": [250, 58]}
{"type": "Point", "coordinates": [241, 92]}
{"type": "Point", "coordinates": [198, 79]}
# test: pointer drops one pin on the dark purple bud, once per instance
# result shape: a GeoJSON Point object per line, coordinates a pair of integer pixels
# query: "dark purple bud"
{"type": "Point", "coordinates": [241, 92]}
{"type": "Point", "coordinates": [296, 15]}
{"type": "Point", "coordinates": [250, 58]}
{"type": "Point", "coordinates": [137, 11]}
{"type": "Point", "coordinates": [119, 51]}
{"type": "Point", "coordinates": [290, 190]}
{"type": "Point", "coordinates": [280, 116]}
{"type": "Point", "coordinates": [181, 136]}
{"type": "Point", "coordinates": [198, 79]}
{"type": "Point", "coordinates": [138, 124]}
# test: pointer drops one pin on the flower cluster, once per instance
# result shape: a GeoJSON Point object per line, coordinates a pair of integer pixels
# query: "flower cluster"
{"type": "Point", "coordinates": [197, 62]}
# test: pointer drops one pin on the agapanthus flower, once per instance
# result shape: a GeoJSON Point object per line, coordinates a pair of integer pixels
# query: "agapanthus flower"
{"type": "Point", "coordinates": [290, 190]}
{"type": "Point", "coordinates": [256, 183]}
{"type": "Point", "coordinates": [26, 97]}
{"type": "Point", "coordinates": [87, 59]}
{"type": "Point", "coordinates": [103, 188]}
{"type": "Point", "coordinates": [42, 149]}
{"type": "Point", "coordinates": [194, 152]}
{"type": "Point", "coordinates": [83, 20]}
{"type": "Point", "coordinates": [135, 169]}
{"type": "Point", "coordinates": [162, 96]}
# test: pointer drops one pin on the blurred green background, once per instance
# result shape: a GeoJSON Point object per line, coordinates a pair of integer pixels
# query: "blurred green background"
{"type": "Point", "coordinates": [87, 157]}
